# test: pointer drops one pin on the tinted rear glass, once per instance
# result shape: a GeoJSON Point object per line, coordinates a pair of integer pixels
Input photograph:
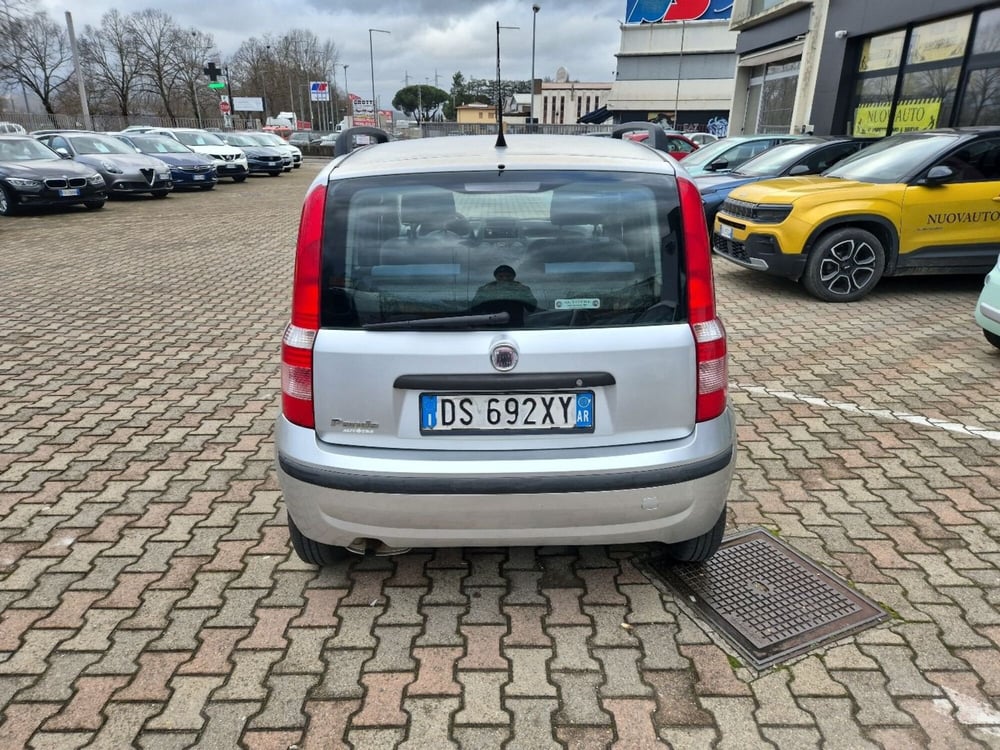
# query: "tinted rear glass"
{"type": "Point", "coordinates": [551, 249]}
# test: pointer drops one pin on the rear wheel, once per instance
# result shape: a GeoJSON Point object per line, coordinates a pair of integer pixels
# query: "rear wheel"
{"type": "Point", "coordinates": [844, 266]}
{"type": "Point", "coordinates": [312, 552]}
{"type": "Point", "coordinates": [992, 338]}
{"type": "Point", "coordinates": [93, 205]}
{"type": "Point", "coordinates": [701, 547]}
{"type": "Point", "coordinates": [7, 207]}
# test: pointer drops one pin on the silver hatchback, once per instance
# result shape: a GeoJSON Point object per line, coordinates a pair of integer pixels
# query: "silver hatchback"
{"type": "Point", "coordinates": [503, 344]}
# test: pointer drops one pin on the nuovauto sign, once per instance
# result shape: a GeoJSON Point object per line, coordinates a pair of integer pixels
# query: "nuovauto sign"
{"type": "Point", "coordinates": [654, 11]}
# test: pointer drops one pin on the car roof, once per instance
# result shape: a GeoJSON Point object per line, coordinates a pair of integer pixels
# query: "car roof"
{"type": "Point", "coordinates": [480, 152]}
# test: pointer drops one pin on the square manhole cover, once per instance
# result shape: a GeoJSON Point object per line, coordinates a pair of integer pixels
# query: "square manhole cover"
{"type": "Point", "coordinates": [769, 601]}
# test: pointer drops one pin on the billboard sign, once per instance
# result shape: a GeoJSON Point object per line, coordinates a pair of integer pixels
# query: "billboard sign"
{"type": "Point", "coordinates": [248, 104]}
{"type": "Point", "coordinates": [656, 11]}
{"type": "Point", "coordinates": [319, 91]}
{"type": "Point", "coordinates": [364, 112]}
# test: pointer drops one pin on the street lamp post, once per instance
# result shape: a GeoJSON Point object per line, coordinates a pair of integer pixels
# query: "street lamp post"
{"type": "Point", "coordinates": [347, 102]}
{"type": "Point", "coordinates": [534, 17]}
{"type": "Point", "coordinates": [499, 113]}
{"type": "Point", "coordinates": [371, 59]}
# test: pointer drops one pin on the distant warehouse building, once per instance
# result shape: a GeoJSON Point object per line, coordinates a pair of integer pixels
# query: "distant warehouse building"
{"type": "Point", "coordinates": [865, 67]}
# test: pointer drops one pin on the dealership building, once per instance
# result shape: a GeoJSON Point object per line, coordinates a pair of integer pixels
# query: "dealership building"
{"type": "Point", "coordinates": [861, 67]}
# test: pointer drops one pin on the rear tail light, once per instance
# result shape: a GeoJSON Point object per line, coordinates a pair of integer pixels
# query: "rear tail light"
{"type": "Point", "coordinates": [709, 333]}
{"type": "Point", "coordinates": [300, 334]}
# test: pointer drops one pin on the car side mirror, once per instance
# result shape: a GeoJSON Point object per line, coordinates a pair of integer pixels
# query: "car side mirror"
{"type": "Point", "coordinates": [64, 153]}
{"type": "Point", "coordinates": [799, 169]}
{"type": "Point", "coordinates": [719, 165]}
{"type": "Point", "coordinates": [938, 175]}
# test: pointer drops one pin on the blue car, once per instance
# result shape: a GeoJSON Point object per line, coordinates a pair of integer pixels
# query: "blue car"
{"type": "Point", "coordinates": [802, 156]}
{"type": "Point", "coordinates": [188, 169]}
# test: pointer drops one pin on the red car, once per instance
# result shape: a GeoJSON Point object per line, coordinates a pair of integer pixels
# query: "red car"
{"type": "Point", "coordinates": [679, 146]}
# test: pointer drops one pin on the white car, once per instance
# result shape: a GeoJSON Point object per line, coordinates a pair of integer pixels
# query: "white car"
{"type": "Point", "coordinates": [229, 161]}
{"type": "Point", "coordinates": [988, 306]}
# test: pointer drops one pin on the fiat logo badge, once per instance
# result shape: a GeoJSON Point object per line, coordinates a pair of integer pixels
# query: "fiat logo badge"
{"type": "Point", "coordinates": [503, 357]}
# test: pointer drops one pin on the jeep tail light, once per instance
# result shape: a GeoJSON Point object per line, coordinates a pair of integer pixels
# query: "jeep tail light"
{"type": "Point", "coordinates": [709, 333]}
{"type": "Point", "coordinates": [297, 342]}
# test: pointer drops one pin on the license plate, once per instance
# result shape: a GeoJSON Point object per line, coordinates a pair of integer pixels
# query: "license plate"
{"type": "Point", "coordinates": [726, 231]}
{"type": "Point", "coordinates": [232, 166]}
{"type": "Point", "coordinates": [507, 412]}
{"type": "Point", "coordinates": [69, 192]}
{"type": "Point", "coordinates": [199, 177]}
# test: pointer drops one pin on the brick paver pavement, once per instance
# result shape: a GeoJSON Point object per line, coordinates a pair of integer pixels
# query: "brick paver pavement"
{"type": "Point", "coordinates": [149, 598]}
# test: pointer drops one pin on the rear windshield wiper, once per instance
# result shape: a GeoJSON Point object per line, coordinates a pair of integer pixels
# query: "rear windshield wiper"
{"type": "Point", "coordinates": [450, 321]}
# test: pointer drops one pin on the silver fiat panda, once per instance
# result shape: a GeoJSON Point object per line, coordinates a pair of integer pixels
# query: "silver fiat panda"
{"type": "Point", "coordinates": [503, 342]}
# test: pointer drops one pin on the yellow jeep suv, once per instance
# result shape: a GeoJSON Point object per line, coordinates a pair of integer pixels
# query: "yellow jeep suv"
{"type": "Point", "coordinates": [913, 203]}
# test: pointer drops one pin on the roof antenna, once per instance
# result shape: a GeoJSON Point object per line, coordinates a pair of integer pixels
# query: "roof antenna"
{"type": "Point", "coordinates": [501, 143]}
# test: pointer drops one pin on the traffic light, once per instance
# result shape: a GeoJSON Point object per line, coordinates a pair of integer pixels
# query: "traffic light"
{"type": "Point", "coordinates": [212, 71]}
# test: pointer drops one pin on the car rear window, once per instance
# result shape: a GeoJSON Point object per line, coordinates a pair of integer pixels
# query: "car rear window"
{"type": "Point", "coordinates": [552, 249]}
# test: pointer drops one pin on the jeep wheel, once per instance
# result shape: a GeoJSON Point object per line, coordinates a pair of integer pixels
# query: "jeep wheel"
{"type": "Point", "coordinates": [701, 547]}
{"type": "Point", "coordinates": [992, 338]}
{"type": "Point", "coordinates": [844, 265]}
{"type": "Point", "coordinates": [7, 207]}
{"type": "Point", "coordinates": [313, 552]}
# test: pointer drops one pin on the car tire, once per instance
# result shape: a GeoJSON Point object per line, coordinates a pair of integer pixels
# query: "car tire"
{"type": "Point", "coordinates": [313, 552]}
{"type": "Point", "coordinates": [241, 178]}
{"type": "Point", "coordinates": [297, 165]}
{"type": "Point", "coordinates": [7, 205]}
{"type": "Point", "coordinates": [844, 266]}
{"type": "Point", "coordinates": [160, 193]}
{"type": "Point", "coordinates": [207, 187]}
{"type": "Point", "coordinates": [701, 548]}
{"type": "Point", "coordinates": [274, 174]}
{"type": "Point", "coordinates": [93, 205]}
{"type": "Point", "coordinates": [992, 338]}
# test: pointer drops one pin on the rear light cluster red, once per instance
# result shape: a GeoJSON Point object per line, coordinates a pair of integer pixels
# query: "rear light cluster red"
{"type": "Point", "coordinates": [297, 343]}
{"type": "Point", "coordinates": [709, 333]}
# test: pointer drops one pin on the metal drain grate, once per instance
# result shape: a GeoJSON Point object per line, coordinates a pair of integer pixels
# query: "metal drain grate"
{"type": "Point", "coordinates": [769, 601]}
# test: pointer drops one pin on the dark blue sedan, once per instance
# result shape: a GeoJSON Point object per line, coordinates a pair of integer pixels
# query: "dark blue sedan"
{"type": "Point", "coordinates": [802, 156]}
{"type": "Point", "coordinates": [188, 169]}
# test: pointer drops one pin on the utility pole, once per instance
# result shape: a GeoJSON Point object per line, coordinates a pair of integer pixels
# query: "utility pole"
{"type": "Point", "coordinates": [79, 72]}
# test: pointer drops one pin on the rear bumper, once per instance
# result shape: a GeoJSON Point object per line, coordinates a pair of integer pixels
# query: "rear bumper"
{"type": "Point", "coordinates": [664, 492]}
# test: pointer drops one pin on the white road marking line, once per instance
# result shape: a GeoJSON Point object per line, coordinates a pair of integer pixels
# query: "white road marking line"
{"type": "Point", "coordinates": [885, 414]}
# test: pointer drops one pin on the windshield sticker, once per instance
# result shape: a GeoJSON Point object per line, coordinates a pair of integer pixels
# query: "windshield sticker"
{"type": "Point", "coordinates": [577, 304]}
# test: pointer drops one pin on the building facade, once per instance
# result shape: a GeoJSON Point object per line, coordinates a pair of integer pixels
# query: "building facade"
{"type": "Point", "coordinates": [675, 64]}
{"type": "Point", "coordinates": [865, 67]}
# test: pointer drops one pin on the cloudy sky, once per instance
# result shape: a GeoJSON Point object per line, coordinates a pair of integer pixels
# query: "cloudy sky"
{"type": "Point", "coordinates": [428, 37]}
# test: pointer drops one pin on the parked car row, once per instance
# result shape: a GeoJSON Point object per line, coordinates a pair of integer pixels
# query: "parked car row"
{"type": "Point", "coordinates": [913, 203]}
{"type": "Point", "coordinates": [53, 167]}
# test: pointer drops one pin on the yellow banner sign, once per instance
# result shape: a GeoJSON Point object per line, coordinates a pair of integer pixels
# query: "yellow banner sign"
{"type": "Point", "coordinates": [911, 115]}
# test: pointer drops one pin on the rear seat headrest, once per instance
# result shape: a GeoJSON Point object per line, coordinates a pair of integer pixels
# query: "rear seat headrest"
{"type": "Point", "coordinates": [426, 207]}
{"type": "Point", "coordinates": [577, 207]}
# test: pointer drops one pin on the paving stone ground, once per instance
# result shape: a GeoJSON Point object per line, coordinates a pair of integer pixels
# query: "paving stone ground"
{"type": "Point", "coordinates": [149, 597]}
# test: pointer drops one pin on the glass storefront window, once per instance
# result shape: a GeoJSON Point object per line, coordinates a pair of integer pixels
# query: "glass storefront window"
{"type": "Point", "coordinates": [981, 97]}
{"type": "Point", "coordinates": [771, 97]}
{"type": "Point", "coordinates": [927, 99]}
{"type": "Point", "coordinates": [882, 52]}
{"type": "Point", "coordinates": [759, 6]}
{"type": "Point", "coordinates": [873, 97]}
{"type": "Point", "coordinates": [941, 40]}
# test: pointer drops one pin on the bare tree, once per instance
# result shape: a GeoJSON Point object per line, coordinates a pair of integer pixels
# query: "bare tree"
{"type": "Point", "coordinates": [34, 53]}
{"type": "Point", "coordinates": [111, 58]}
{"type": "Point", "coordinates": [162, 45]}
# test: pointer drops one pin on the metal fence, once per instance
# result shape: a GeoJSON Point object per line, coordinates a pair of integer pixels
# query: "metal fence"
{"type": "Point", "coordinates": [34, 121]}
